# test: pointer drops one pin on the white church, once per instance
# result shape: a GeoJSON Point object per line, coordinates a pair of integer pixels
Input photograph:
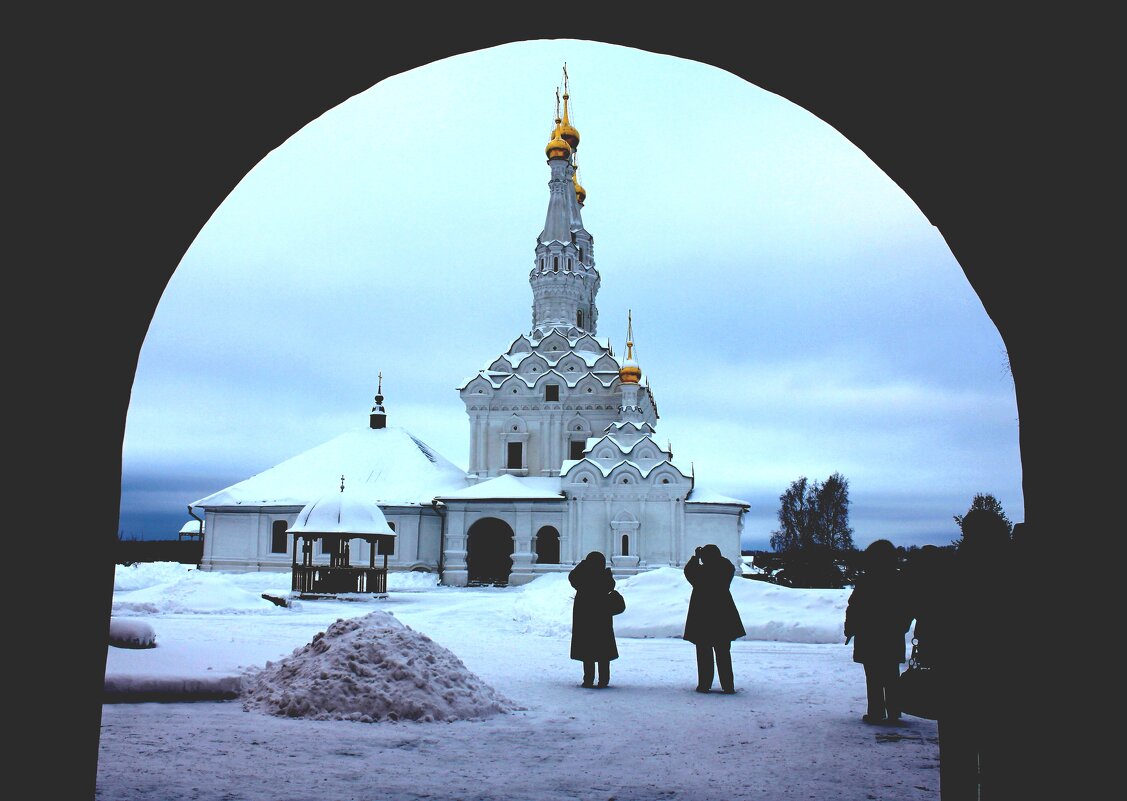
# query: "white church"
{"type": "Point", "coordinates": [563, 456]}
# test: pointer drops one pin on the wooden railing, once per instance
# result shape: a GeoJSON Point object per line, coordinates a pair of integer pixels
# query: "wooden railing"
{"type": "Point", "coordinates": [325, 579]}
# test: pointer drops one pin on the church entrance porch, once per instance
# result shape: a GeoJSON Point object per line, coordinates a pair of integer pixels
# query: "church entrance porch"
{"type": "Point", "coordinates": [489, 548]}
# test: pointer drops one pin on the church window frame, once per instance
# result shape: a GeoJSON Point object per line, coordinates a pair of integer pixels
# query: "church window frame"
{"type": "Point", "coordinates": [555, 264]}
{"type": "Point", "coordinates": [514, 452]}
{"type": "Point", "coordinates": [551, 392]}
{"type": "Point", "coordinates": [279, 535]}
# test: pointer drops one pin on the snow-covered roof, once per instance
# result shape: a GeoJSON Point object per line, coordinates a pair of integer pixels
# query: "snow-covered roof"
{"type": "Point", "coordinates": [342, 512]}
{"type": "Point", "coordinates": [497, 379]}
{"type": "Point", "coordinates": [606, 467]}
{"type": "Point", "coordinates": [507, 487]}
{"type": "Point", "coordinates": [192, 527]}
{"type": "Point", "coordinates": [704, 495]}
{"type": "Point", "coordinates": [554, 357]}
{"type": "Point", "coordinates": [622, 445]}
{"type": "Point", "coordinates": [388, 465]}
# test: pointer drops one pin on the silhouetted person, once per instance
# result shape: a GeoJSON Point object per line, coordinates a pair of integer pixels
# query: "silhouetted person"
{"type": "Point", "coordinates": [713, 620]}
{"type": "Point", "coordinates": [592, 625]}
{"type": "Point", "coordinates": [959, 636]}
{"type": "Point", "coordinates": [875, 619]}
{"type": "Point", "coordinates": [926, 574]}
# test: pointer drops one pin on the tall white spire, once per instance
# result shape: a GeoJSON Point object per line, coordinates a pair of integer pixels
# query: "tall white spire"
{"type": "Point", "coordinates": [564, 279]}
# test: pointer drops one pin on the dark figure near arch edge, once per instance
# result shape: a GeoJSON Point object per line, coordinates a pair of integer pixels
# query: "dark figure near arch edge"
{"type": "Point", "coordinates": [876, 619]}
{"type": "Point", "coordinates": [713, 620]}
{"type": "Point", "coordinates": [962, 626]}
{"type": "Point", "coordinates": [592, 625]}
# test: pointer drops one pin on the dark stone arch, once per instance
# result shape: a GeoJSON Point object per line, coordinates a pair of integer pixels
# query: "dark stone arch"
{"type": "Point", "coordinates": [489, 548]}
{"type": "Point", "coordinates": [969, 155]}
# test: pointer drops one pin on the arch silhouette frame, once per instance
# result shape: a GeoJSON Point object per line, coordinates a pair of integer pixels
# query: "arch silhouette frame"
{"type": "Point", "coordinates": [183, 135]}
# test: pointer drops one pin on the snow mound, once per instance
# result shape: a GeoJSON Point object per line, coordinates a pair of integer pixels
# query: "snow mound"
{"type": "Point", "coordinates": [192, 592]}
{"type": "Point", "coordinates": [658, 600]}
{"type": "Point", "coordinates": [543, 606]}
{"type": "Point", "coordinates": [132, 634]}
{"type": "Point", "coordinates": [137, 576]}
{"type": "Point", "coordinates": [410, 580]}
{"type": "Point", "coordinates": [370, 669]}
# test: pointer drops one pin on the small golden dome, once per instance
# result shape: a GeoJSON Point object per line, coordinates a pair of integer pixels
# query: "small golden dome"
{"type": "Point", "coordinates": [567, 132]}
{"type": "Point", "coordinates": [630, 372]}
{"type": "Point", "coordinates": [580, 192]}
{"type": "Point", "coordinates": [558, 149]}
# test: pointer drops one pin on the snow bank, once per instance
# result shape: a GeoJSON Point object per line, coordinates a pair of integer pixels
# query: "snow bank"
{"type": "Point", "coordinates": [410, 581]}
{"type": "Point", "coordinates": [131, 634]}
{"type": "Point", "coordinates": [657, 601]}
{"type": "Point", "coordinates": [147, 574]}
{"type": "Point", "coordinates": [194, 591]}
{"type": "Point", "coordinates": [543, 606]}
{"type": "Point", "coordinates": [369, 669]}
{"type": "Point", "coordinates": [140, 688]}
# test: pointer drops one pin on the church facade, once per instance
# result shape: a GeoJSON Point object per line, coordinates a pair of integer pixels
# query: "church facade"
{"type": "Point", "coordinates": [563, 458]}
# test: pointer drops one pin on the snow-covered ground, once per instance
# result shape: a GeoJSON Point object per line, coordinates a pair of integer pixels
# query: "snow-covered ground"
{"type": "Point", "coordinates": [793, 730]}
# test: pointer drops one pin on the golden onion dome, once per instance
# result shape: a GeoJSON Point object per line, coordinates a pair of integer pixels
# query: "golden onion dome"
{"type": "Point", "coordinates": [568, 133]}
{"type": "Point", "coordinates": [630, 372]}
{"type": "Point", "coordinates": [580, 192]}
{"type": "Point", "coordinates": [558, 149]}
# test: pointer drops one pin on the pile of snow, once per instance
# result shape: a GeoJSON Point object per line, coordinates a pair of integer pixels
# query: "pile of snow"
{"type": "Point", "coordinates": [193, 591]}
{"type": "Point", "coordinates": [369, 669]}
{"type": "Point", "coordinates": [131, 634]}
{"type": "Point", "coordinates": [147, 574]}
{"type": "Point", "coordinates": [657, 601]}
{"type": "Point", "coordinates": [411, 581]}
{"type": "Point", "coordinates": [543, 606]}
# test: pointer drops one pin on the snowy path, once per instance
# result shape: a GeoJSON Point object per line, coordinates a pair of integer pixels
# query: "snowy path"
{"type": "Point", "coordinates": [792, 731]}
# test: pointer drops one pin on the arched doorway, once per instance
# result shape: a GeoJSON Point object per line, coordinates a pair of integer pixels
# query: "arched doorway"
{"type": "Point", "coordinates": [489, 548]}
{"type": "Point", "coordinates": [547, 546]}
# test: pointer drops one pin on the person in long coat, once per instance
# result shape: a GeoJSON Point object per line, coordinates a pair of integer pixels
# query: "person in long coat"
{"type": "Point", "coordinates": [977, 607]}
{"type": "Point", "coordinates": [592, 624]}
{"type": "Point", "coordinates": [713, 620]}
{"type": "Point", "coordinates": [876, 619]}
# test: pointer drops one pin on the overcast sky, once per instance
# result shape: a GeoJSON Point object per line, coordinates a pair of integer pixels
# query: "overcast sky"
{"type": "Point", "coordinates": [794, 311]}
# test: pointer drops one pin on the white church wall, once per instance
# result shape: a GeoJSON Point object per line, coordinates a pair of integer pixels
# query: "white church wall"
{"type": "Point", "coordinates": [720, 525]}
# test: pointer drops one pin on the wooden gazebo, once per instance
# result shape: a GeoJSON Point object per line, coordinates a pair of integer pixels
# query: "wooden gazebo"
{"type": "Point", "coordinates": [335, 520]}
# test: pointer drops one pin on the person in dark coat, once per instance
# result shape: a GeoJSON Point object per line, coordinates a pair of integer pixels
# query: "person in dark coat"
{"type": "Point", "coordinates": [876, 619]}
{"type": "Point", "coordinates": [713, 620]}
{"type": "Point", "coordinates": [592, 624]}
{"type": "Point", "coordinates": [959, 631]}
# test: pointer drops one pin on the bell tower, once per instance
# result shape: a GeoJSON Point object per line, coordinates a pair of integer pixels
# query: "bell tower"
{"type": "Point", "coordinates": [563, 278]}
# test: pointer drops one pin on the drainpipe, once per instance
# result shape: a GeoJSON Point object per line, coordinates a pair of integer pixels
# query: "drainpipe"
{"type": "Point", "coordinates": [197, 517]}
{"type": "Point", "coordinates": [440, 509]}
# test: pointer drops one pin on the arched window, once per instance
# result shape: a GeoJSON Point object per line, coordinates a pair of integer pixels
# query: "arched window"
{"type": "Point", "coordinates": [579, 318]}
{"type": "Point", "coordinates": [555, 264]}
{"type": "Point", "coordinates": [278, 536]}
{"type": "Point", "coordinates": [625, 544]}
{"type": "Point", "coordinates": [547, 546]}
